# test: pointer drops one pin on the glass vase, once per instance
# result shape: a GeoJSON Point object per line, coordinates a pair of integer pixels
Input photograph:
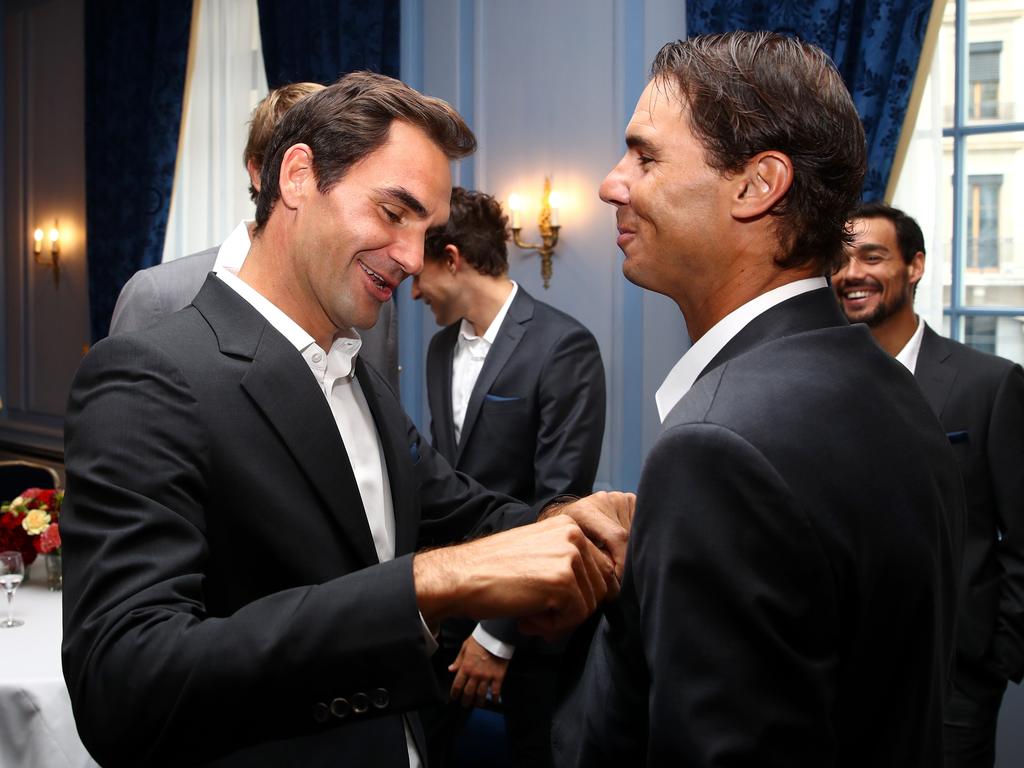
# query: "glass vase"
{"type": "Point", "coordinates": [54, 572]}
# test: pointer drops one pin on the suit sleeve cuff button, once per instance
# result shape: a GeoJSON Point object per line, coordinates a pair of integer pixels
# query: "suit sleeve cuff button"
{"type": "Point", "coordinates": [340, 708]}
{"type": "Point", "coordinates": [360, 703]}
{"type": "Point", "coordinates": [380, 698]}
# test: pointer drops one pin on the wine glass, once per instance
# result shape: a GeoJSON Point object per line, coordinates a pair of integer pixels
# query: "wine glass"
{"type": "Point", "coordinates": [12, 571]}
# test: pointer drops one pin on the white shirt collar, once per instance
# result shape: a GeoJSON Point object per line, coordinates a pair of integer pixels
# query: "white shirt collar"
{"type": "Point", "coordinates": [466, 334]}
{"type": "Point", "coordinates": [232, 252]}
{"type": "Point", "coordinates": [695, 359]}
{"type": "Point", "coordinates": [341, 356]}
{"type": "Point", "coordinates": [908, 355]}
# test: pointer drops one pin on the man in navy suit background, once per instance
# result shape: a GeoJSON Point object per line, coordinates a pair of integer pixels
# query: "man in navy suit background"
{"type": "Point", "coordinates": [979, 398]}
{"type": "Point", "coordinates": [517, 402]}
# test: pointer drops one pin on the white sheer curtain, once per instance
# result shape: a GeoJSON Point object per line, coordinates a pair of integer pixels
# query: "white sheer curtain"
{"type": "Point", "coordinates": [210, 185]}
{"type": "Point", "coordinates": [919, 194]}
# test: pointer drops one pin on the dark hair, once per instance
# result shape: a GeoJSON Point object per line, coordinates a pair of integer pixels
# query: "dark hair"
{"type": "Point", "coordinates": [478, 228]}
{"type": "Point", "coordinates": [350, 119]}
{"type": "Point", "coordinates": [908, 233]}
{"type": "Point", "coordinates": [748, 92]}
{"type": "Point", "coordinates": [265, 118]}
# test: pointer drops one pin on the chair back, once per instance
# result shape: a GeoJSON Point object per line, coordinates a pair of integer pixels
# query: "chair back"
{"type": "Point", "coordinates": [17, 475]}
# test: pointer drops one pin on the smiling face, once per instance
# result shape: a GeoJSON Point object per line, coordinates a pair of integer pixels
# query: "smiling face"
{"type": "Point", "coordinates": [671, 207]}
{"type": "Point", "coordinates": [876, 283]}
{"type": "Point", "coordinates": [356, 243]}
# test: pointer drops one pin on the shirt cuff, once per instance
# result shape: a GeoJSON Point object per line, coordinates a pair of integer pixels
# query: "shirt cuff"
{"type": "Point", "coordinates": [493, 645]}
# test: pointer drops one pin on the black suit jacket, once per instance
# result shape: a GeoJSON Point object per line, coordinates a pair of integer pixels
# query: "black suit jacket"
{"type": "Point", "coordinates": [790, 585]}
{"type": "Point", "coordinates": [535, 419]}
{"type": "Point", "coordinates": [979, 399]}
{"type": "Point", "coordinates": [222, 586]}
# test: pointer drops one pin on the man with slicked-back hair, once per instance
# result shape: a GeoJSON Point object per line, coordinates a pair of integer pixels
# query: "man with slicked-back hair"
{"type": "Point", "coordinates": [790, 585]}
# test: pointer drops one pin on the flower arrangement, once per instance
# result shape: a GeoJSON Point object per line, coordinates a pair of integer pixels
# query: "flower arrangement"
{"type": "Point", "coordinates": [29, 523]}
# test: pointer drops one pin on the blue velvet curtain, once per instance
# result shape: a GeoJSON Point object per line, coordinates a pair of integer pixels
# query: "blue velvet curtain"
{"type": "Point", "coordinates": [318, 40]}
{"type": "Point", "coordinates": [135, 59]}
{"type": "Point", "coordinates": [876, 45]}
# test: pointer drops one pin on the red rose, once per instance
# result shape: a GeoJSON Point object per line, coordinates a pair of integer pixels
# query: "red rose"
{"type": "Point", "coordinates": [49, 540]}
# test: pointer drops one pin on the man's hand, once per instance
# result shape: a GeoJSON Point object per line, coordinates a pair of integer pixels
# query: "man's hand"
{"type": "Point", "coordinates": [606, 517]}
{"type": "Point", "coordinates": [548, 573]}
{"type": "Point", "coordinates": [477, 670]}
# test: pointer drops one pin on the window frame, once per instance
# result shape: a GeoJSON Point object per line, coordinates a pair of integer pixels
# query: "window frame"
{"type": "Point", "coordinates": [957, 310]}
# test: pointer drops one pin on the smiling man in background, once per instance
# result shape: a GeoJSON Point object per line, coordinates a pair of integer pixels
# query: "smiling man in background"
{"type": "Point", "coordinates": [979, 399]}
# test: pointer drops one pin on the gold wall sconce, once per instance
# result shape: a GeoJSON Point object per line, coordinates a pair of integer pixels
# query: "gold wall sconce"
{"type": "Point", "coordinates": [547, 224]}
{"type": "Point", "coordinates": [53, 257]}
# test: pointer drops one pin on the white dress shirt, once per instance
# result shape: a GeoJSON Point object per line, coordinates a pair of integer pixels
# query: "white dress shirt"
{"type": "Point", "coordinates": [232, 252]}
{"type": "Point", "coordinates": [685, 372]}
{"type": "Point", "coordinates": [334, 371]}
{"type": "Point", "coordinates": [468, 361]}
{"type": "Point", "coordinates": [908, 355]}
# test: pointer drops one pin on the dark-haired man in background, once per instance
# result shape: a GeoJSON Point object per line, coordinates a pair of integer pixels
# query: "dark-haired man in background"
{"type": "Point", "coordinates": [790, 586]}
{"type": "Point", "coordinates": [979, 399]}
{"type": "Point", "coordinates": [152, 294]}
{"type": "Point", "coordinates": [245, 496]}
{"type": "Point", "coordinates": [517, 402]}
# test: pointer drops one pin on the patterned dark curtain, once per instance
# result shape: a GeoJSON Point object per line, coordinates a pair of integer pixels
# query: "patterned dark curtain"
{"type": "Point", "coordinates": [318, 40]}
{"type": "Point", "coordinates": [135, 59]}
{"type": "Point", "coordinates": [876, 45]}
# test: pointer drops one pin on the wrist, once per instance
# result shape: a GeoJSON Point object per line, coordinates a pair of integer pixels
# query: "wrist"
{"type": "Point", "coordinates": [555, 506]}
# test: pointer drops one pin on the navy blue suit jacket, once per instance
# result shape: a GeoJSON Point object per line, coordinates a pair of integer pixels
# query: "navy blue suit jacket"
{"type": "Point", "coordinates": [979, 399]}
{"type": "Point", "coordinates": [535, 419]}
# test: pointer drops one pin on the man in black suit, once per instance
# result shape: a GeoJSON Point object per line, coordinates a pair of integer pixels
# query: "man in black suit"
{"type": "Point", "coordinates": [790, 582]}
{"type": "Point", "coordinates": [979, 399]}
{"type": "Point", "coordinates": [245, 496]}
{"type": "Point", "coordinates": [517, 402]}
{"type": "Point", "coordinates": [152, 294]}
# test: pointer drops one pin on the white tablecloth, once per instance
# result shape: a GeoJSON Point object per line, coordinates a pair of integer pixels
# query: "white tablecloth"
{"type": "Point", "coordinates": [37, 729]}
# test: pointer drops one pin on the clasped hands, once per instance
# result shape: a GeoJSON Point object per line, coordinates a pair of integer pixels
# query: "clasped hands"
{"type": "Point", "coordinates": [551, 574]}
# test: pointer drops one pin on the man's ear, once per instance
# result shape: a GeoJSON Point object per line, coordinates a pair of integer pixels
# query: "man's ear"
{"type": "Point", "coordinates": [296, 180]}
{"type": "Point", "coordinates": [916, 268]}
{"type": "Point", "coordinates": [761, 184]}
{"type": "Point", "coordinates": [453, 258]}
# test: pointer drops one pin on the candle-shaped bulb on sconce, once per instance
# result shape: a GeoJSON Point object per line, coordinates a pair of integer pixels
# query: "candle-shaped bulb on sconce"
{"type": "Point", "coordinates": [37, 238]}
{"type": "Point", "coordinates": [554, 202]}
{"type": "Point", "coordinates": [515, 203]}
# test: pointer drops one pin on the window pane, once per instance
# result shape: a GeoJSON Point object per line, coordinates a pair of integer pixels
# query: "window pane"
{"type": "Point", "coordinates": [1003, 336]}
{"type": "Point", "coordinates": [993, 257]}
{"type": "Point", "coordinates": [992, 90]}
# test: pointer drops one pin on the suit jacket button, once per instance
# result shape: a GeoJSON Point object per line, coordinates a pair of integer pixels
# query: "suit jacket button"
{"type": "Point", "coordinates": [340, 708]}
{"type": "Point", "coordinates": [320, 712]}
{"type": "Point", "coordinates": [380, 698]}
{"type": "Point", "coordinates": [360, 703]}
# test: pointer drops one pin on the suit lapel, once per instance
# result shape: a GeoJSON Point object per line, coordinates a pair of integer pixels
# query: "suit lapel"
{"type": "Point", "coordinates": [520, 312]}
{"type": "Point", "coordinates": [934, 373]}
{"type": "Point", "coordinates": [394, 436]}
{"type": "Point", "coordinates": [440, 392]}
{"type": "Point", "coordinates": [279, 383]}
